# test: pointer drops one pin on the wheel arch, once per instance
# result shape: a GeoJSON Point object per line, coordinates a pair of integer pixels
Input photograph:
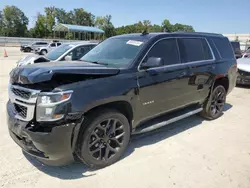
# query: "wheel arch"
{"type": "Point", "coordinates": [222, 80]}
{"type": "Point", "coordinates": [122, 105]}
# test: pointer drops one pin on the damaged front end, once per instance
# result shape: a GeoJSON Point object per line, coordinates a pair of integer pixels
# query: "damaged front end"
{"type": "Point", "coordinates": [41, 118]}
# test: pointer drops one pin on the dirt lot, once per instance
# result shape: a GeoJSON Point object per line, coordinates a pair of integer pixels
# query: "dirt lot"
{"type": "Point", "coordinates": [190, 153]}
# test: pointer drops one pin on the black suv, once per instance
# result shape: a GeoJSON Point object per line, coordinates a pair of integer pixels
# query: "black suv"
{"type": "Point", "coordinates": [89, 109]}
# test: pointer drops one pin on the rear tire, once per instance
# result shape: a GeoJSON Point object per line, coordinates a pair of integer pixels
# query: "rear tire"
{"type": "Point", "coordinates": [104, 138]}
{"type": "Point", "coordinates": [213, 107]}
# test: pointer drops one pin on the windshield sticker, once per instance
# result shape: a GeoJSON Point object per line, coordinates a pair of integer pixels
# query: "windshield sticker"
{"type": "Point", "coordinates": [134, 42]}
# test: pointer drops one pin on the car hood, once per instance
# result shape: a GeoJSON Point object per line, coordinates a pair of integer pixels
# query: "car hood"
{"type": "Point", "coordinates": [31, 59]}
{"type": "Point", "coordinates": [37, 73]}
{"type": "Point", "coordinates": [244, 64]}
{"type": "Point", "coordinates": [27, 60]}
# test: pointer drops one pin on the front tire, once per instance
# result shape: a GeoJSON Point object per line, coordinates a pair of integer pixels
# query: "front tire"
{"type": "Point", "coordinates": [213, 107]}
{"type": "Point", "coordinates": [104, 138]}
{"type": "Point", "coordinates": [43, 52]}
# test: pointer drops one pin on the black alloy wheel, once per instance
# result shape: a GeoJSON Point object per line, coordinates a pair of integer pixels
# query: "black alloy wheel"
{"type": "Point", "coordinates": [213, 107]}
{"type": "Point", "coordinates": [218, 101]}
{"type": "Point", "coordinates": [103, 138]}
{"type": "Point", "coordinates": [106, 139]}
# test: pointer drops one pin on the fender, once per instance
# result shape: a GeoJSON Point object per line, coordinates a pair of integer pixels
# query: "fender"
{"type": "Point", "coordinates": [129, 99]}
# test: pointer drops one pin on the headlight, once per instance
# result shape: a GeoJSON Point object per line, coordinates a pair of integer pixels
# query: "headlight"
{"type": "Point", "coordinates": [47, 104]}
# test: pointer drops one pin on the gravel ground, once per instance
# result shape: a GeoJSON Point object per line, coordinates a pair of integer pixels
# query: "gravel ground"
{"type": "Point", "coordinates": [190, 153]}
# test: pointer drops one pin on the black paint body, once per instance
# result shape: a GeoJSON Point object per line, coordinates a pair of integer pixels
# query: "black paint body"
{"type": "Point", "coordinates": [146, 93]}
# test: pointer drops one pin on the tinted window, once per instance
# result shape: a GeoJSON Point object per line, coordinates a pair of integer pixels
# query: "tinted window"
{"type": "Point", "coordinates": [53, 44]}
{"type": "Point", "coordinates": [224, 47]}
{"type": "Point", "coordinates": [40, 43]}
{"type": "Point", "coordinates": [58, 44]}
{"type": "Point", "coordinates": [194, 49]}
{"type": "Point", "coordinates": [167, 50]}
{"type": "Point", "coordinates": [206, 50]}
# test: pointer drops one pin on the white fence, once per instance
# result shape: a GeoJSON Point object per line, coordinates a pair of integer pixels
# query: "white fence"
{"type": "Point", "coordinates": [17, 41]}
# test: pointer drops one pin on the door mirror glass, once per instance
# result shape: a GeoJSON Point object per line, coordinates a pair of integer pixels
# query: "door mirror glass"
{"type": "Point", "coordinates": [152, 62]}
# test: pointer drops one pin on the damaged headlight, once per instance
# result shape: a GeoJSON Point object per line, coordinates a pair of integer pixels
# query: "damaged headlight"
{"type": "Point", "coordinates": [47, 104]}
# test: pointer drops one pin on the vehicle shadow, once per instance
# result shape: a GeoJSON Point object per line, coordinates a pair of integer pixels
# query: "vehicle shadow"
{"type": "Point", "coordinates": [243, 86]}
{"type": "Point", "coordinates": [78, 170]}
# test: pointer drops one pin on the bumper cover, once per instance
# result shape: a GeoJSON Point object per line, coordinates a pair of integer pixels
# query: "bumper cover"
{"type": "Point", "coordinates": [244, 80]}
{"type": "Point", "coordinates": [53, 145]}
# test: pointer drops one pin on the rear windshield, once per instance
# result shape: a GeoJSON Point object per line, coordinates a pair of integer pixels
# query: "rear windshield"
{"type": "Point", "coordinates": [224, 47]}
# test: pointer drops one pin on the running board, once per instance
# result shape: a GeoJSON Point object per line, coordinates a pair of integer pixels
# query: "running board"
{"type": "Point", "coordinates": [167, 122]}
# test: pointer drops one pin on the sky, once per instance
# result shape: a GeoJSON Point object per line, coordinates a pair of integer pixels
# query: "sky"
{"type": "Point", "coordinates": [218, 16]}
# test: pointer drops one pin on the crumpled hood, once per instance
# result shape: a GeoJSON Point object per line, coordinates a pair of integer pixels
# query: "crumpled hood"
{"type": "Point", "coordinates": [243, 64]}
{"type": "Point", "coordinates": [29, 59]}
{"type": "Point", "coordinates": [44, 72]}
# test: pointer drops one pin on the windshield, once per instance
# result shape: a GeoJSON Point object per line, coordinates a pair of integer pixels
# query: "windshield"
{"type": "Point", "coordinates": [57, 52]}
{"type": "Point", "coordinates": [115, 52]}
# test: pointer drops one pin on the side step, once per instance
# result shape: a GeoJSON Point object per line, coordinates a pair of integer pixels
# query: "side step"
{"type": "Point", "coordinates": [172, 119]}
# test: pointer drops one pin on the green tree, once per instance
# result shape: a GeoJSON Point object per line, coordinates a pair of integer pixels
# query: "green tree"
{"type": "Point", "coordinates": [167, 26]}
{"type": "Point", "coordinates": [40, 29]}
{"type": "Point", "coordinates": [14, 22]}
{"type": "Point", "coordinates": [1, 23]}
{"type": "Point", "coordinates": [50, 19]}
{"type": "Point", "coordinates": [82, 17]}
{"type": "Point", "coordinates": [64, 17]}
{"type": "Point", "coordinates": [104, 23]}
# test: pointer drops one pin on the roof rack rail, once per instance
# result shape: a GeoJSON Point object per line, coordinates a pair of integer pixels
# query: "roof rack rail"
{"type": "Point", "coordinates": [205, 33]}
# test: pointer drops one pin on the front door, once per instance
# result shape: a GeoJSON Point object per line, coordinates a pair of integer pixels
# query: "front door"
{"type": "Point", "coordinates": [162, 88]}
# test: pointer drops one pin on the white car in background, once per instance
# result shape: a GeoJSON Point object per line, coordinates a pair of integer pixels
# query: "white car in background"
{"type": "Point", "coordinates": [66, 52]}
{"type": "Point", "coordinates": [243, 65]}
{"type": "Point", "coordinates": [43, 50]}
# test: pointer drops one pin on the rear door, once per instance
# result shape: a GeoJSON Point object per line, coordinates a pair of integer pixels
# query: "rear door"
{"type": "Point", "coordinates": [196, 54]}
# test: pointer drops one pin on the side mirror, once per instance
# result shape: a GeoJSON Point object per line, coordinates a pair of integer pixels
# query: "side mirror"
{"type": "Point", "coordinates": [68, 58]}
{"type": "Point", "coordinates": [152, 62]}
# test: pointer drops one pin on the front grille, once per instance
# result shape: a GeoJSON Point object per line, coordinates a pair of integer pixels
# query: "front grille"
{"type": "Point", "coordinates": [23, 102]}
{"type": "Point", "coordinates": [244, 73]}
{"type": "Point", "coordinates": [21, 110]}
{"type": "Point", "coordinates": [21, 93]}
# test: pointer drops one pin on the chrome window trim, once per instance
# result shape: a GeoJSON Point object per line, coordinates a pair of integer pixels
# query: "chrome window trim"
{"type": "Point", "coordinates": [190, 62]}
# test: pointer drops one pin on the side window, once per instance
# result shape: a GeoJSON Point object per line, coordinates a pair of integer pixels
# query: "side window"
{"type": "Point", "coordinates": [190, 49]}
{"type": "Point", "coordinates": [80, 51]}
{"type": "Point", "coordinates": [167, 50]}
{"type": "Point", "coordinates": [53, 44]}
{"type": "Point", "coordinates": [224, 47]}
{"type": "Point", "coordinates": [206, 50]}
{"type": "Point", "coordinates": [59, 44]}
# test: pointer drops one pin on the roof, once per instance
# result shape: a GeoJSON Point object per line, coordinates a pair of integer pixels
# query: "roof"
{"type": "Point", "coordinates": [150, 35]}
{"type": "Point", "coordinates": [77, 28]}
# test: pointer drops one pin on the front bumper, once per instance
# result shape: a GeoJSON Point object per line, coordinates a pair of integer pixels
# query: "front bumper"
{"type": "Point", "coordinates": [243, 79]}
{"type": "Point", "coordinates": [53, 144]}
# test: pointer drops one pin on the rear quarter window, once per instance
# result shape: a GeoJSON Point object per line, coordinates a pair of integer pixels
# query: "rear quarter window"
{"type": "Point", "coordinates": [224, 47]}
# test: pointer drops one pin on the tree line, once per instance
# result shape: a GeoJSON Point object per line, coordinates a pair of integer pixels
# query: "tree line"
{"type": "Point", "coordinates": [14, 23]}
